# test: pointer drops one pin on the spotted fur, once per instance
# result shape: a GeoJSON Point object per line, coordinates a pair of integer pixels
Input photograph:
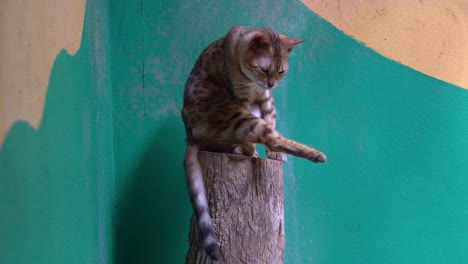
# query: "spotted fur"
{"type": "Point", "coordinates": [229, 107]}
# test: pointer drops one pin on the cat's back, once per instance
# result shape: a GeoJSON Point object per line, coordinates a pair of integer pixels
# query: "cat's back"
{"type": "Point", "coordinates": [210, 64]}
{"type": "Point", "coordinates": [208, 79]}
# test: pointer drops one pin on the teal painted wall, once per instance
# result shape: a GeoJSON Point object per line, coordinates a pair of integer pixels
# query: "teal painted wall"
{"type": "Point", "coordinates": [101, 180]}
{"type": "Point", "coordinates": [56, 183]}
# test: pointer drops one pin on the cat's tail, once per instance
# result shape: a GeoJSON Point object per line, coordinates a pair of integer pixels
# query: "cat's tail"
{"type": "Point", "coordinates": [197, 192]}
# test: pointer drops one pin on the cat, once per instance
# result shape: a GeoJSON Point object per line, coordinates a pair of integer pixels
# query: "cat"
{"type": "Point", "coordinates": [228, 107]}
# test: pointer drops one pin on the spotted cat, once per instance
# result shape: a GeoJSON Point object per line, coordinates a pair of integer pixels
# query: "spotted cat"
{"type": "Point", "coordinates": [229, 107]}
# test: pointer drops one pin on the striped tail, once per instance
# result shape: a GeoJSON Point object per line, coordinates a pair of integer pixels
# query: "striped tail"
{"type": "Point", "coordinates": [197, 192]}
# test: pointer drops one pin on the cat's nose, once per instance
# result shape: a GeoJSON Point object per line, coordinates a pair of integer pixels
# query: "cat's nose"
{"type": "Point", "coordinates": [271, 82]}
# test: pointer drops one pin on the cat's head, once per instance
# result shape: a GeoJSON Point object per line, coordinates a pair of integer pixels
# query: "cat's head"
{"type": "Point", "coordinates": [264, 55]}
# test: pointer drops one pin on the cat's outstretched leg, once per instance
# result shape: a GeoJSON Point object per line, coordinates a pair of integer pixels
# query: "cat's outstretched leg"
{"type": "Point", "coordinates": [297, 149]}
{"type": "Point", "coordinates": [256, 130]}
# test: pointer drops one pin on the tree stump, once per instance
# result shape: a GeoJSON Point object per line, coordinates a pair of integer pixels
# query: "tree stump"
{"type": "Point", "coordinates": [246, 200]}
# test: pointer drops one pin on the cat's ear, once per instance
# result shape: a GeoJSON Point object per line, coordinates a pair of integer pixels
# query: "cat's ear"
{"type": "Point", "coordinates": [237, 30]}
{"type": "Point", "coordinates": [259, 41]}
{"type": "Point", "coordinates": [292, 42]}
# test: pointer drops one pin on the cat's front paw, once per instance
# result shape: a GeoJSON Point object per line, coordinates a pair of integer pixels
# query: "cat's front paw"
{"type": "Point", "coordinates": [277, 156]}
{"type": "Point", "coordinates": [246, 150]}
{"type": "Point", "coordinates": [318, 157]}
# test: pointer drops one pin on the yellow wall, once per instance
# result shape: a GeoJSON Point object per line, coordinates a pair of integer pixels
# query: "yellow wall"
{"type": "Point", "coordinates": [430, 36]}
{"type": "Point", "coordinates": [32, 33]}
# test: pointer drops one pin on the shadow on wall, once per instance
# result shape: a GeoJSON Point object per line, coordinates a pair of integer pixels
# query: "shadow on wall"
{"type": "Point", "coordinates": [57, 182]}
{"type": "Point", "coordinates": [150, 222]}
{"type": "Point", "coordinates": [51, 178]}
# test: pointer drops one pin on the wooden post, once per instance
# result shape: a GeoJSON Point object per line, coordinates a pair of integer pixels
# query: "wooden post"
{"type": "Point", "coordinates": [246, 200]}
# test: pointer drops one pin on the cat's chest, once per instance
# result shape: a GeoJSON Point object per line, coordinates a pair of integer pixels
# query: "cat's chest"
{"type": "Point", "coordinates": [260, 103]}
{"type": "Point", "coordinates": [255, 110]}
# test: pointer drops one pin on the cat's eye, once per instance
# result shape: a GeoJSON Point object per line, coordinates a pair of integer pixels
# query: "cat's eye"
{"type": "Point", "coordinates": [281, 72]}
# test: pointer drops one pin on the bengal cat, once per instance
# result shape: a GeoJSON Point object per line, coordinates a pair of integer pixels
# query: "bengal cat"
{"type": "Point", "coordinates": [229, 107]}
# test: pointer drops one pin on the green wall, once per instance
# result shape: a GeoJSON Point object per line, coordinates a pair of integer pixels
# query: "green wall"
{"type": "Point", "coordinates": [56, 183]}
{"type": "Point", "coordinates": [101, 180]}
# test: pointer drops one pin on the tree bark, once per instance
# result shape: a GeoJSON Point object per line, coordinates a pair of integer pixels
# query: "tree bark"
{"type": "Point", "coordinates": [246, 200]}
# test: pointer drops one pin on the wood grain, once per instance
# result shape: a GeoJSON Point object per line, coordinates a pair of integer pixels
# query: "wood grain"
{"type": "Point", "coordinates": [246, 199]}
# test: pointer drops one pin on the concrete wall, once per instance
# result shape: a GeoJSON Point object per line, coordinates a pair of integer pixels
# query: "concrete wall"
{"type": "Point", "coordinates": [96, 175]}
